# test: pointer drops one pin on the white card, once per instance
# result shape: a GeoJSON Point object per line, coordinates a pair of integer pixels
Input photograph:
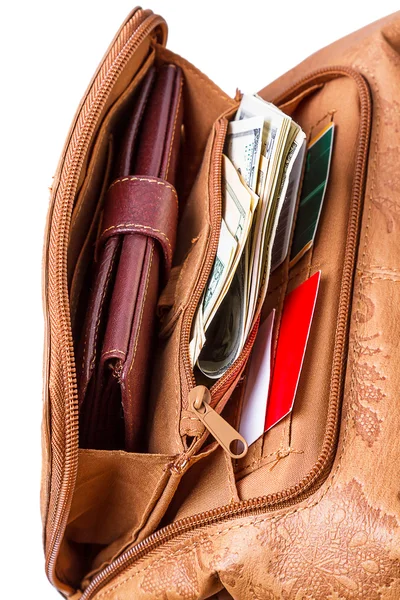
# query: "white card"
{"type": "Point", "coordinates": [257, 386]}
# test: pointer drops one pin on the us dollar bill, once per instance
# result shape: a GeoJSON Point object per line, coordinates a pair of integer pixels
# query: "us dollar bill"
{"type": "Point", "coordinates": [238, 203]}
{"type": "Point", "coordinates": [223, 261]}
{"type": "Point", "coordinates": [262, 144]}
{"type": "Point", "coordinates": [223, 338]}
{"type": "Point", "coordinates": [243, 147]}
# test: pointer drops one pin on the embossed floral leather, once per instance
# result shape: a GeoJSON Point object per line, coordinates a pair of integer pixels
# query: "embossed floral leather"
{"type": "Point", "coordinates": [313, 509]}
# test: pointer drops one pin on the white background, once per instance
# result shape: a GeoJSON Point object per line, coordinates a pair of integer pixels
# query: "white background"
{"type": "Point", "coordinates": [49, 51]}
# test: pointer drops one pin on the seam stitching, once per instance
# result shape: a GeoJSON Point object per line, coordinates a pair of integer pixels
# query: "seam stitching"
{"type": "Point", "coordinates": [147, 227]}
{"type": "Point", "coordinates": [154, 181]}
{"type": "Point", "coordinates": [114, 351]}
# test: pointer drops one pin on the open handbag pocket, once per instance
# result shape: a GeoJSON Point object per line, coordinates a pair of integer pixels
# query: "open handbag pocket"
{"type": "Point", "coordinates": [121, 497]}
{"type": "Point", "coordinates": [299, 450]}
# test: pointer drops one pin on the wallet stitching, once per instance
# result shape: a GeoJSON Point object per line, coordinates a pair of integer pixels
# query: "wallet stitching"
{"type": "Point", "coordinates": [174, 129]}
{"type": "Point", "coordinates": [122, 225]}
{"type": "Point", "coordinates": [140, 319]}
{"type": "Point", "coordinates": [155, 181]}
{"type": "Point", "coordinates": [113, 351]}
{"type": "Point", "coordinates": [255, 521]}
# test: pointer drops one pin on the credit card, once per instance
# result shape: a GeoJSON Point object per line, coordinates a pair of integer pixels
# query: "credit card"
{"type": "Point", "coordinates": [318, 161]}
{"type": "Point", "coordinates": [257, 384]}
{"type": "Point", "coordinates": [297, 315]}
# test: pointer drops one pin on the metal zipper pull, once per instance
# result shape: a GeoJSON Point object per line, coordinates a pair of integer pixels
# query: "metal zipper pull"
{"type": "Point", "coordinates": [227, 437]}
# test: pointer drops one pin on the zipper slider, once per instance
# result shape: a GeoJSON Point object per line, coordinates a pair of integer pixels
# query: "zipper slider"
{"type": "Point", "coordinates": [227, 437]}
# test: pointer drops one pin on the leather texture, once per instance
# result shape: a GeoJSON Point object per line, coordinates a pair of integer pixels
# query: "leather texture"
{"type": "Point", "coordinates": [136, 241]}
{"type": "Point", "coordinates": [341, 540]}
{"type": "Point", "coordinates": [125, 212]}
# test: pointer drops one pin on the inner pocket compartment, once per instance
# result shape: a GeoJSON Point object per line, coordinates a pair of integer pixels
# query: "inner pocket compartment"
{"type": "Point", "coordinates": [112, 503]}
{"type": "Point", "coordinates": [209, 483]}
{"type": "Point", "coordinates": [288, 451]}
{"type": "Point", "coordinates": [95, 177]}
{"type": "Point", "coordinates": [168, 389]}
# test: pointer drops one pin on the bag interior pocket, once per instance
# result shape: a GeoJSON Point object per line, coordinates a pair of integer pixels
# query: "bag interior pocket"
{"type": "Point", "coordinates": [284, 456]}
{"type": "Point", "coordinates": [111, 504]}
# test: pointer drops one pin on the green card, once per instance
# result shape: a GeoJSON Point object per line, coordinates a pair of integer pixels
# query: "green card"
{"type": "Point", "coordinates": [315, 180]}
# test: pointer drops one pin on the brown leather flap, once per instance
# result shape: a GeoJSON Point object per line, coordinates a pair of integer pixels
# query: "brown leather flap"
{"type": "Point", "coordinates": [144, 205]}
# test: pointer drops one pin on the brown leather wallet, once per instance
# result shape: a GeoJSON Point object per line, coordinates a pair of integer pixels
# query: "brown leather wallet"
{"type": "Point", "coordinates": [135, 243]}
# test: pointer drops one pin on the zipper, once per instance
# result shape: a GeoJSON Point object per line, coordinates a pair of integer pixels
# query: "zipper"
{"type": "Point", "coordinates": [137, 28]}
{"type": "Point", "coordinates": [231, 441]}
{"type": "Point", "coordinates": [216, 204]}
{"type": "Point", "coordinates": [312, 481]}
{"type": "Point", "coordinates": [227, 437]}
{"type": "Point", "coordinates": [219, 388]}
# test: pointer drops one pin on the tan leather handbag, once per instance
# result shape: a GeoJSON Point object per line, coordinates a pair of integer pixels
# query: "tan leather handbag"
{"type": "Point", "coordinates": [155, 507]}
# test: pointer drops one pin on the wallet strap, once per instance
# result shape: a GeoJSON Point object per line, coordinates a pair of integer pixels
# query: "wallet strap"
{"type": "Point", "coordinates": [144, 205]}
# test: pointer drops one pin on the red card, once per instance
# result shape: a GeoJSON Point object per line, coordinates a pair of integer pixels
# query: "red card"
{"type": "Point", "coordinates": [297, 314]}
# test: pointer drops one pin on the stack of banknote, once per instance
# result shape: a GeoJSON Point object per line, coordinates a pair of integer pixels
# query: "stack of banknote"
{"type": "Point", "coordinates": [261, 169]}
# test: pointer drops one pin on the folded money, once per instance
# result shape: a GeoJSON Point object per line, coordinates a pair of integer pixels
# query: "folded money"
{"type": "Point", "coordinates": [262, 146]}
{"type": "Point", "coordinates": [238, 205]}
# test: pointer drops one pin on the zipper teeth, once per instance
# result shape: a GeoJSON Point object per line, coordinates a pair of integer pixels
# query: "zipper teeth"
{"type": "Point", "coordinates": [229, 376]}
{"type": "Point", "coordinates": [308, 484]}
{"type": "Point", "coordinates": [142, 23]}
{"type": "Point", "coordinates": [216, 173]}
{"type": "Point", "coordinates": [237, 510]}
